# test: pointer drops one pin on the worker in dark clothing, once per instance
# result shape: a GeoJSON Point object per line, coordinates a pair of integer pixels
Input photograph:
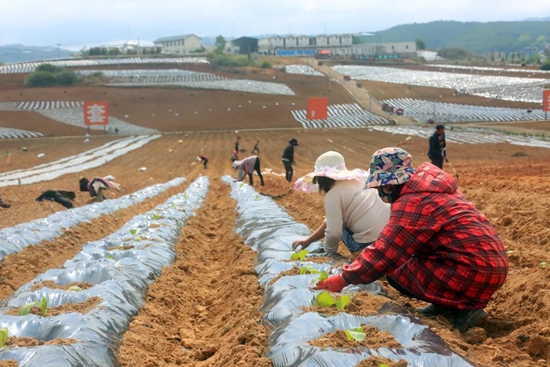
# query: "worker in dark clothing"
{"type": "Point", "coordinates": [237, 143]}
{"type": "Point", "coordinates": [4, 205]}
{"type": "Point", "coordinates": [256, 150]}
{"type": "Point", "coordinates": [288, 158]}
{"type": "Point", "coordinates": [248, 166]}
{"type": "Point", "coordinates": [234, 156]}
{"type": "Point", "coordinates": [59, 196]}
{"type": "Point", "coordinates": [436, 153]}
{"type": "Point", "coordinates": [202, 158]}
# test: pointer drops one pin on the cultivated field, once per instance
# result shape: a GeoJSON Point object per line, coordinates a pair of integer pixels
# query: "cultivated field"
{"type": "Point", "coordinates": [161, 287]}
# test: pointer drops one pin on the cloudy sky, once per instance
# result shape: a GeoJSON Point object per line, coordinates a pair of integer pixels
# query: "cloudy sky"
{"type": "Point", "coordinates": [85, 22]}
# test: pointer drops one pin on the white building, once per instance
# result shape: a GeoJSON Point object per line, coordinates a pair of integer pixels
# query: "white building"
{"type": "Point", "coordinates": [184, 44]}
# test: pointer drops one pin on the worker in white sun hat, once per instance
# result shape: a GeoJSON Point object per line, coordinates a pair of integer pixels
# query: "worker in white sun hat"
{"type": "Point", "coordinates": [353, 214]}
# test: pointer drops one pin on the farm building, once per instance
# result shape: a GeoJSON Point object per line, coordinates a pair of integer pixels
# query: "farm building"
{"type": "Point", "coordinates": [270, 45]}
{"type": "Point", "coordinates": [242, 45]}
{"type": "Point", "coordinates": [184, 44]}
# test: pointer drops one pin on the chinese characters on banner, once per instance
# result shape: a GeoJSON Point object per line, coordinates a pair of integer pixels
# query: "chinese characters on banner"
{"type": "Point", "coordinates": [96, 113]}
{"type": "Point", "coordinates": [546, 100]}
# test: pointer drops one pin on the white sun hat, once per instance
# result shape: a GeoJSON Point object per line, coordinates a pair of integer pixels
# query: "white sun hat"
{"type": "Point", "coordinates": [332, 165]}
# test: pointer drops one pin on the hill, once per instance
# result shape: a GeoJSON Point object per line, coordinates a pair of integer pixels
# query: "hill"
{"type": "Point", "coordinates": [475, 37]}
{"type": "Point", "coordinates": [19, 53]}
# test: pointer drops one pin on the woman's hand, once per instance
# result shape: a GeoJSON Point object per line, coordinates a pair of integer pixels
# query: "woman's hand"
{"type": "Point", "coordinates": [304, 243]}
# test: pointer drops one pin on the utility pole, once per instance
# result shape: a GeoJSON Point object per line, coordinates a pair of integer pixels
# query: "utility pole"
{"type": "Point", "coordinates": [370, 107]}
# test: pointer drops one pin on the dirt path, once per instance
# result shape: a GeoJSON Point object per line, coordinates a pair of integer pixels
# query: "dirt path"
{"type": "Point", "coordinates": [362, 95]}
{"type": "Point", "coordinates": [24, 266]}
{"type": "Point", "coordinates": [204, 309]}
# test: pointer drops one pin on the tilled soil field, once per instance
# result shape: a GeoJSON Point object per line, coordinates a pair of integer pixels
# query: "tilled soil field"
{"type": "Point", "coordinates": [204, 309]}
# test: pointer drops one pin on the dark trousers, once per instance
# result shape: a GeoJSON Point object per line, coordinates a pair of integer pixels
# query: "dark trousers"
{"type": "Point", "coordinates": [289, 171]}
{"type": "Point", "coordinates": [437, 161]}
{"type": "Point", "coordinates": [258, 171]}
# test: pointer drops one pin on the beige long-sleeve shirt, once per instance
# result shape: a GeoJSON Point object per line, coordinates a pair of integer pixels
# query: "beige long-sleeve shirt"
{"type": "Point", "coordinates": [347, 205]}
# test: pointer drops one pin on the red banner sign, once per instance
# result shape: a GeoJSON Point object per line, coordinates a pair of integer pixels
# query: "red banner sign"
{"type": "Point", "coordinates": [96, 113]}
{"type": "Point", "coordinates": [317, 108]}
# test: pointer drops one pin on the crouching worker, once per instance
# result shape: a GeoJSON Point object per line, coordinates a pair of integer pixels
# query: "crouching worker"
{"type": "Point", "coordinates": [353, 214]}
{"type": "Point", "coordinates": [248, 166]}
{"type": "Point", "coordinates": [436, 247]}
{"type": "Point", "coordinates": [202, 158]}
{"type": "Point", "coordinates": [97, 186]}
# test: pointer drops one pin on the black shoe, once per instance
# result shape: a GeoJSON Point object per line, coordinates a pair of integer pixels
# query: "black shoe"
{"type": "Point", "coordinates": [463, 320]}
{"type": "Point", "coordinates": [432, 310]}
{"type": "Point", "coordinates": [4, 205]}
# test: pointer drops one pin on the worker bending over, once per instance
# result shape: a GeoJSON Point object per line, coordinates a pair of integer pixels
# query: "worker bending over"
{"type": "Point", "coordinates": [248, 166]}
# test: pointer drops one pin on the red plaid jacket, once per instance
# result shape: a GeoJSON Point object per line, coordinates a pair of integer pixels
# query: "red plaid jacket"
{"type": "Point", "coordinates": [436, 245]}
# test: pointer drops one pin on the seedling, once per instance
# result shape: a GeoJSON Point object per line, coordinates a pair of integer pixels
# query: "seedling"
{"type": "Point", "coordinates": [134, 232]}
{"type": "Point", "coordinates": [155, 217]}
{"type": "Point", "coordinates": [74, 288]}
{"type": "Point", "coordinates": [384, 365]}
{"type": "Point", "coordinates": [543, 265]}
{"type": "Point", "coordinates": [4, 333]}
{"type": "Point", "coordinates": [323, 276]}
{"type": "Point", "coordinates": [325, 299]}
{"type": "Point", "coordinates": [109, 257]}
{"type": "Point", "coordinates": [300, 255]}
{"type": "Point", "coordinates": [43, 305]}
{"type": "Point", "coordinates": [357, 334]}
{"type": "Point", "coordinates": [308, 270]}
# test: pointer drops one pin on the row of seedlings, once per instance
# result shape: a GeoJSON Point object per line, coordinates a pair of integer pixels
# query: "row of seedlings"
{"type": "Point", "coordinates": [79, 315]}
{"type": "Point", "coordinates": [288, 279]}
{"type": "Point", "coordinates": [15, 239]}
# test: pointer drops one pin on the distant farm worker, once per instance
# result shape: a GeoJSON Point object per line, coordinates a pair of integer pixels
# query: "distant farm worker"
{"type": "Point", "coordinates": [288, 158]}
{"type": "Point", "coordinates": [436, 153]}
{"type": "Point", "coordinates": [4, 205]}
{"type": "Point", "coordinates": [256, 149]}
{"type": "Point", "coordinates": [353, 214]}
{"type": "Point", "coordinates": [248, 166]}
{"type": "Point", "coordinates": [234, 156]}
{"type": "Point", "coordinates": [437, 247]}
{"type": "Point", "coordinates": [202, 158]}
{"type": "Point", "coordinates": [97, 186]}
{"type": "Point", "coordinates": [237, 142]}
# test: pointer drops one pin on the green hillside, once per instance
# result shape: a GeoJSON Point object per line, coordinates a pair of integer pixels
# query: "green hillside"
{"type": "Point", "coordinates": [19, 53]}
{"type": "Point", "coordinates": [475, 37]}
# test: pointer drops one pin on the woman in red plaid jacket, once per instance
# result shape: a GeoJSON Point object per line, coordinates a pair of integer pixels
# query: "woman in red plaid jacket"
{"type": "Point", "coordinates": [437, 247]}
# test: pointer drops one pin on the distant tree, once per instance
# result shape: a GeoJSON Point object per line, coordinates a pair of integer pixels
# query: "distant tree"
{"type": "Point", "coordinates": [266, 65]}
{"type": "Point", "coordinates": [356, 40]}
{"type": "Point", "coordinates": [220, 43]}
{"type": "Point", "coordinates": [49, 68]}
{"type": "Point", "coordinates": [420, 44]}
{"type": "Point", "coordinates": [114, 52]}
{"type": "Point", "coordinates": [48, 75]}
{"type": "Point", "coordinates": [545, 66]}
{"type": "Point", "coordinates": [453, 53]}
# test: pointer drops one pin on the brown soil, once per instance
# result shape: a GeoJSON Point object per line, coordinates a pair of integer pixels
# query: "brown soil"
{"type": "Point", "coordinates": [51, 285]}
{"type": "Point", "coordinates": [122, 248]}
{"type": "Point", "coordinates": [14, 341]}
{"type": "Point", "coordinates": [362, 304]}
{"type": "Point", "coordinates": [375, 338]}
{"type": "Point", "coordinates": [213, 319]}
{"type": "Point", "coordinates": [35, 122]}
{"type": "Point", "coordinates": [377, 362]}
{"type": "Point", "coordinates": [81, 307]}
{"type": "Point", "coordinates": [9, 363]}
{"type": "Point", "coordinates": [293, 271]}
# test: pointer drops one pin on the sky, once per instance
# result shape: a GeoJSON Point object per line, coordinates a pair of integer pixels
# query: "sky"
{"type": "Point", "coordinates": [77, 23]}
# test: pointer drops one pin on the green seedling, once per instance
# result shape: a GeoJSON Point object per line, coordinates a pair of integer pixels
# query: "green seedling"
{"type": "Point", "coordinates": [133, 232]}
{"type": "Point", "coordinates": [109, 257]}
{"type": "Point", "coordinates": [4, 333]}
{"type": "Point", "coordinates": [357, 334]}
{"type": "Point", "coordinates": [308, 270]}
{"type": "Point", "coordinates": [43, 306]}
{"type": "Point", "coordinates": [384, 365]}
{"type": "Point", "coordinates": [323, 276]}
{"type": "Point", "coordinates": [137, 238]}
{"type": "Point", "coordinates": [543, 265]}
{"type": "Point", "coordinates": [155, 217]}
{"type": "Point", "coordinates": [74, 288]}
{"type": "Point", "coordinates": [25, 310]}
{"type": "Point", "coordinates": [300, 255]}
{"type": "Point", "coordinates": [325, 299]}
{"type": "Point", "coordinates": [172, 205]}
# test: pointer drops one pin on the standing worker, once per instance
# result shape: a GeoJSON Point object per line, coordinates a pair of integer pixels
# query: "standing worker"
{"type": "Point", "coordinates": [436, 153]}
{"type": "Point", "coordinates": [288, 158]}
{"type": "Point", "coordinates": [256, 150]}
{"type": "Point", "coordinates": [249, 165]}
{"type": "Point", "coordinates": [237, 142]}
{"type": "Point", "coordinates": [437, 247]}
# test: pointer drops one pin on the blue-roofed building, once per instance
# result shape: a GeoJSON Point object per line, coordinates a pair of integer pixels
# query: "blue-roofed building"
{"type": "Point", "coordinates": [183, 44]}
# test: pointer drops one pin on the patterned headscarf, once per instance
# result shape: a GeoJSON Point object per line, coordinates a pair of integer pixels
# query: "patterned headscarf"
{"type": "Point", "coordinates": [390, 166]}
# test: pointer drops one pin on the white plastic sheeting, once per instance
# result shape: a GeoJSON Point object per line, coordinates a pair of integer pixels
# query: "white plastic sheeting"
{"type": "Point", "coordinates": [119, 277]}
{"type": "Point", "coordinates": [153, 76]}
{"type": "Point", "coordinates": [269, 230]}
{"type": "Point", "coordinates": [473, 136]}
{"type": "Point", "coordinates": [48, 105]}
{"type": "Point", "coordinates": [340, 115]}
{"type": "Point", "coordinates": [497, 87]}
{"type": "Point", "coordinates": [15, 239]}
{"type": "Point", "coordinates": [488, 68]}
{"type": "Point", "coordinates": [9, 133]}
{"type": "Point", "coordinates": [302, 70]}
{"type": "Point", "coordinates": [28, 67]}
{"type": "Point", "coordinates": [81, 162]}
{"type": "Point", "coordinates": [452, 112]}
